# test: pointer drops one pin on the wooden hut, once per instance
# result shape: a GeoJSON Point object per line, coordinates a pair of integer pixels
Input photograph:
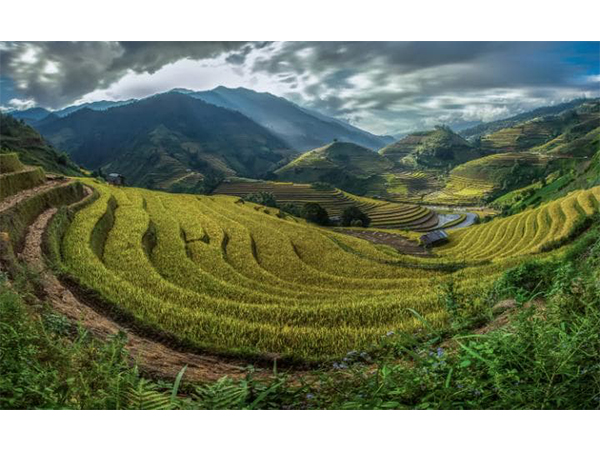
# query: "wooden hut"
{"type": "Point", "coordinates": [432, 238]}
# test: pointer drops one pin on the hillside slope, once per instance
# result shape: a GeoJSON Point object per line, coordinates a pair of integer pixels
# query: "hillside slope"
{"type": "Point", "coordinates": [438, 148]}
{"type": "Point", "coordinates": [300, 128]}
{"type": "Point", "coordinates": [227, 276]}
{"type": "Point", "coordinates": [343, 164]}
{"type": "Point", "coordinates": [572, 123]}
{"type": "Point", "coordinates": [16, 136]}
{"type": "Point", "coordinates": [490, 127]}
{"type": "Point", "coordinates": [160, 141]}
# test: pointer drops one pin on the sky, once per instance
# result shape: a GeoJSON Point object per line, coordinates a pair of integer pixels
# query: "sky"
{"type": "Point", "coordinates": [383, 87]}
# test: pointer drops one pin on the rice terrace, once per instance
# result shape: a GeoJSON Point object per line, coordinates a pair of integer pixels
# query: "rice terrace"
{"type": "Point", "coordinates": [227, 248]}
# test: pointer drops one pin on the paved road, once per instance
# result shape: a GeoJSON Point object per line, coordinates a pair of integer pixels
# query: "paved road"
{"type": "Point", "coordinates": [470, 220]}
{"type": "Point", "coordinates": [443, 219]}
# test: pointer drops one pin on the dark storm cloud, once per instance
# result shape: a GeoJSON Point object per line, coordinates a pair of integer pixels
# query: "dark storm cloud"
{"type": "Point", "coordinates": [384, 86]}
{"type": "Point", "coordinates": [57, 73]}
{"type": "Point", "coordinates": [239, 57]}
{"type": "Point", "coordinates": [435, 78]}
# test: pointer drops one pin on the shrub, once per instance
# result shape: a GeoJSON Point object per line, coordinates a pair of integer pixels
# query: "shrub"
{"type": "Point", "coordinates": [63, 159]}
{"type": "Point", "coordinates": [353, 216]}
{"type": "Point", "coordinates": [262, 198]}
{"type": "Point", "coordinates": [315, 213]}
{"type": "Point", "coordinates": [291, 208]}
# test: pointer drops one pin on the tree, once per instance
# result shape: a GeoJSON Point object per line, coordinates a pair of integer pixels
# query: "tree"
{"type": "Point", "coordinates": [63, 159]}
{"type": "Point", "coordinates": [262, 198]}
{"type": "Point", "coordinates": [291, 208]}
{"type": "Point", "coordinates": [315, 213]}
{"type": "Point", "coordinates": [98, 173]}
{"type": "Point", "coordinates": [353, 216]}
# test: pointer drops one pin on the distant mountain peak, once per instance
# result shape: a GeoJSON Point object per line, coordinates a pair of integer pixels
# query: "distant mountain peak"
{"type": "Point", "coordinates": [300, 128]}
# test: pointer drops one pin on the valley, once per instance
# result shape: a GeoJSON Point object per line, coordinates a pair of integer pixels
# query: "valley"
{"type": "Point", "coordinates": [209, 254]}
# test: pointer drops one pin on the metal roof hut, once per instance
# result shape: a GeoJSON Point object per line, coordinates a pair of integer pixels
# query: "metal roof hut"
{"type": "Point", "coordinates": [115, 179]}
{"type": "Point", "coordinates": [434, 238]}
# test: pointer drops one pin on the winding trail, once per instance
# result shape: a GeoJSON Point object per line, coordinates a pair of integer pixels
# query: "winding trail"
{"type": "Point", "coordinates": [19, 197]}
{"type": "Point", "coordinates": [153, 357]}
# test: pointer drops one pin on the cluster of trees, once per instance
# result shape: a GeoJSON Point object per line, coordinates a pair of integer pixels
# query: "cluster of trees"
{"type": "Point", "coordinates": [313, 212]}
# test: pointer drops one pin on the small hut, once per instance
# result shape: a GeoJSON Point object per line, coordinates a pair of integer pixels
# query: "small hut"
{"type": "Point", "coordinates": [116, 179]}
{"type": "Point", "coordinates": [434, 238]}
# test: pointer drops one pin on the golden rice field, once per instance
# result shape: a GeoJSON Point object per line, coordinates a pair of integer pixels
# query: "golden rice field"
{"type": "Point", "coordinates": [411, 185]}
{"type": "Point", "coordinates": [383, 214]}
{"type": "Point", "coordinates": [470, 182]}
{"type": "Point", "coordinates": [238, 278]}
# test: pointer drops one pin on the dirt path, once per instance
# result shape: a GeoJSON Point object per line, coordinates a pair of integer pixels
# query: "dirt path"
{"type": "Point", "coordinates": [11, 201]}
{"type": "Point", "coordinates": [403, 245]}
{"type": "Point", "coordinates": [154, 357]}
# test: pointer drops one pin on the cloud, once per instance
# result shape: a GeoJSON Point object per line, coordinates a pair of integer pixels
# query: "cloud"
{"type": "Point", "coordinates": [384, 87]}
{"type": "Point", "coordinates": [402, 86]}
{"type": "Point", "coordinates": [58, 73]}
{"type": "Point", "coordinates": [18, 104]}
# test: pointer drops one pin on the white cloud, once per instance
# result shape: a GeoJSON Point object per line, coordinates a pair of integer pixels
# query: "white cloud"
{"type": "Point", "coordinates": [51, 68]}
{"type": "Point", "coordinates": [16, 104]}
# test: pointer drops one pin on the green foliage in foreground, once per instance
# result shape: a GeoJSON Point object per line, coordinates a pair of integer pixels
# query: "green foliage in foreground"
{"type": "Point", "coordinates": [547, 357]}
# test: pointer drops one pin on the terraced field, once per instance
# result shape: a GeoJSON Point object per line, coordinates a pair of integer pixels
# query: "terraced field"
{"type": "Point", "coordinates": [15, 177]}
{"type": "Point", "coordinates": [523, 136]}
{"type": "Point", "coordinates": [411, 185]}
{"type": "Point", "coordinates": [383, 214]}
{"type": "Point", "coordinates": [469, 183]}
{"type": "Point", "coordinates": [240, 279]}
{"type": "Point", "coordinates": [237, 278]}
{"type": "Point", "coordinates": [24, 194]}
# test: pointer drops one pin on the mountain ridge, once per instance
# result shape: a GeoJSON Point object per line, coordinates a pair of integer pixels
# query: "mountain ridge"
{"type": "Point", "coordinates": [170, 136]}
{"type": "Point", "coordinates": [301, 128]}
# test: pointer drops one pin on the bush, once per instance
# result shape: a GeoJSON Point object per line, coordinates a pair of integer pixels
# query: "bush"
{"type": "Point", "coordinates": [63, 159]}
{"type": "Point", "coordinates": [315, 213]}
{"type": "Point", "coordinates": [292, 208]}
{"type": "Point", "coordinates": [262, 198]}
{"type": "Point", "coordinates": [353, 216]}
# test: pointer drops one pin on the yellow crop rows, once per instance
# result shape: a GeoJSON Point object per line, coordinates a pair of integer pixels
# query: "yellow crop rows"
{"type": "Point", "coordinates": [383, 214]}
{"type": "Point", "coordinates": [236, 277]}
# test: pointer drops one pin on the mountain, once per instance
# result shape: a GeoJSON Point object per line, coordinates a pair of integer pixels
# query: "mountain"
{"type": "Point", "coordinates": [438, 148]}
{"type": "Point", "coordinates": [168, 141]}
{"type": "Point", "coordinates": [342, 164]}
{"type": "Point", "coordinates": [16, 136]}
{"type": "Point", "coordinates": [300, 128]}
{"type": "Point", "coordinates": [489, 127]}
{"type": "Point", "coordinates": [101, 105]}
{"type": "Point", "coordinates": [31, 115]}
{"type": "Point", "coordinates": [523, 136]}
